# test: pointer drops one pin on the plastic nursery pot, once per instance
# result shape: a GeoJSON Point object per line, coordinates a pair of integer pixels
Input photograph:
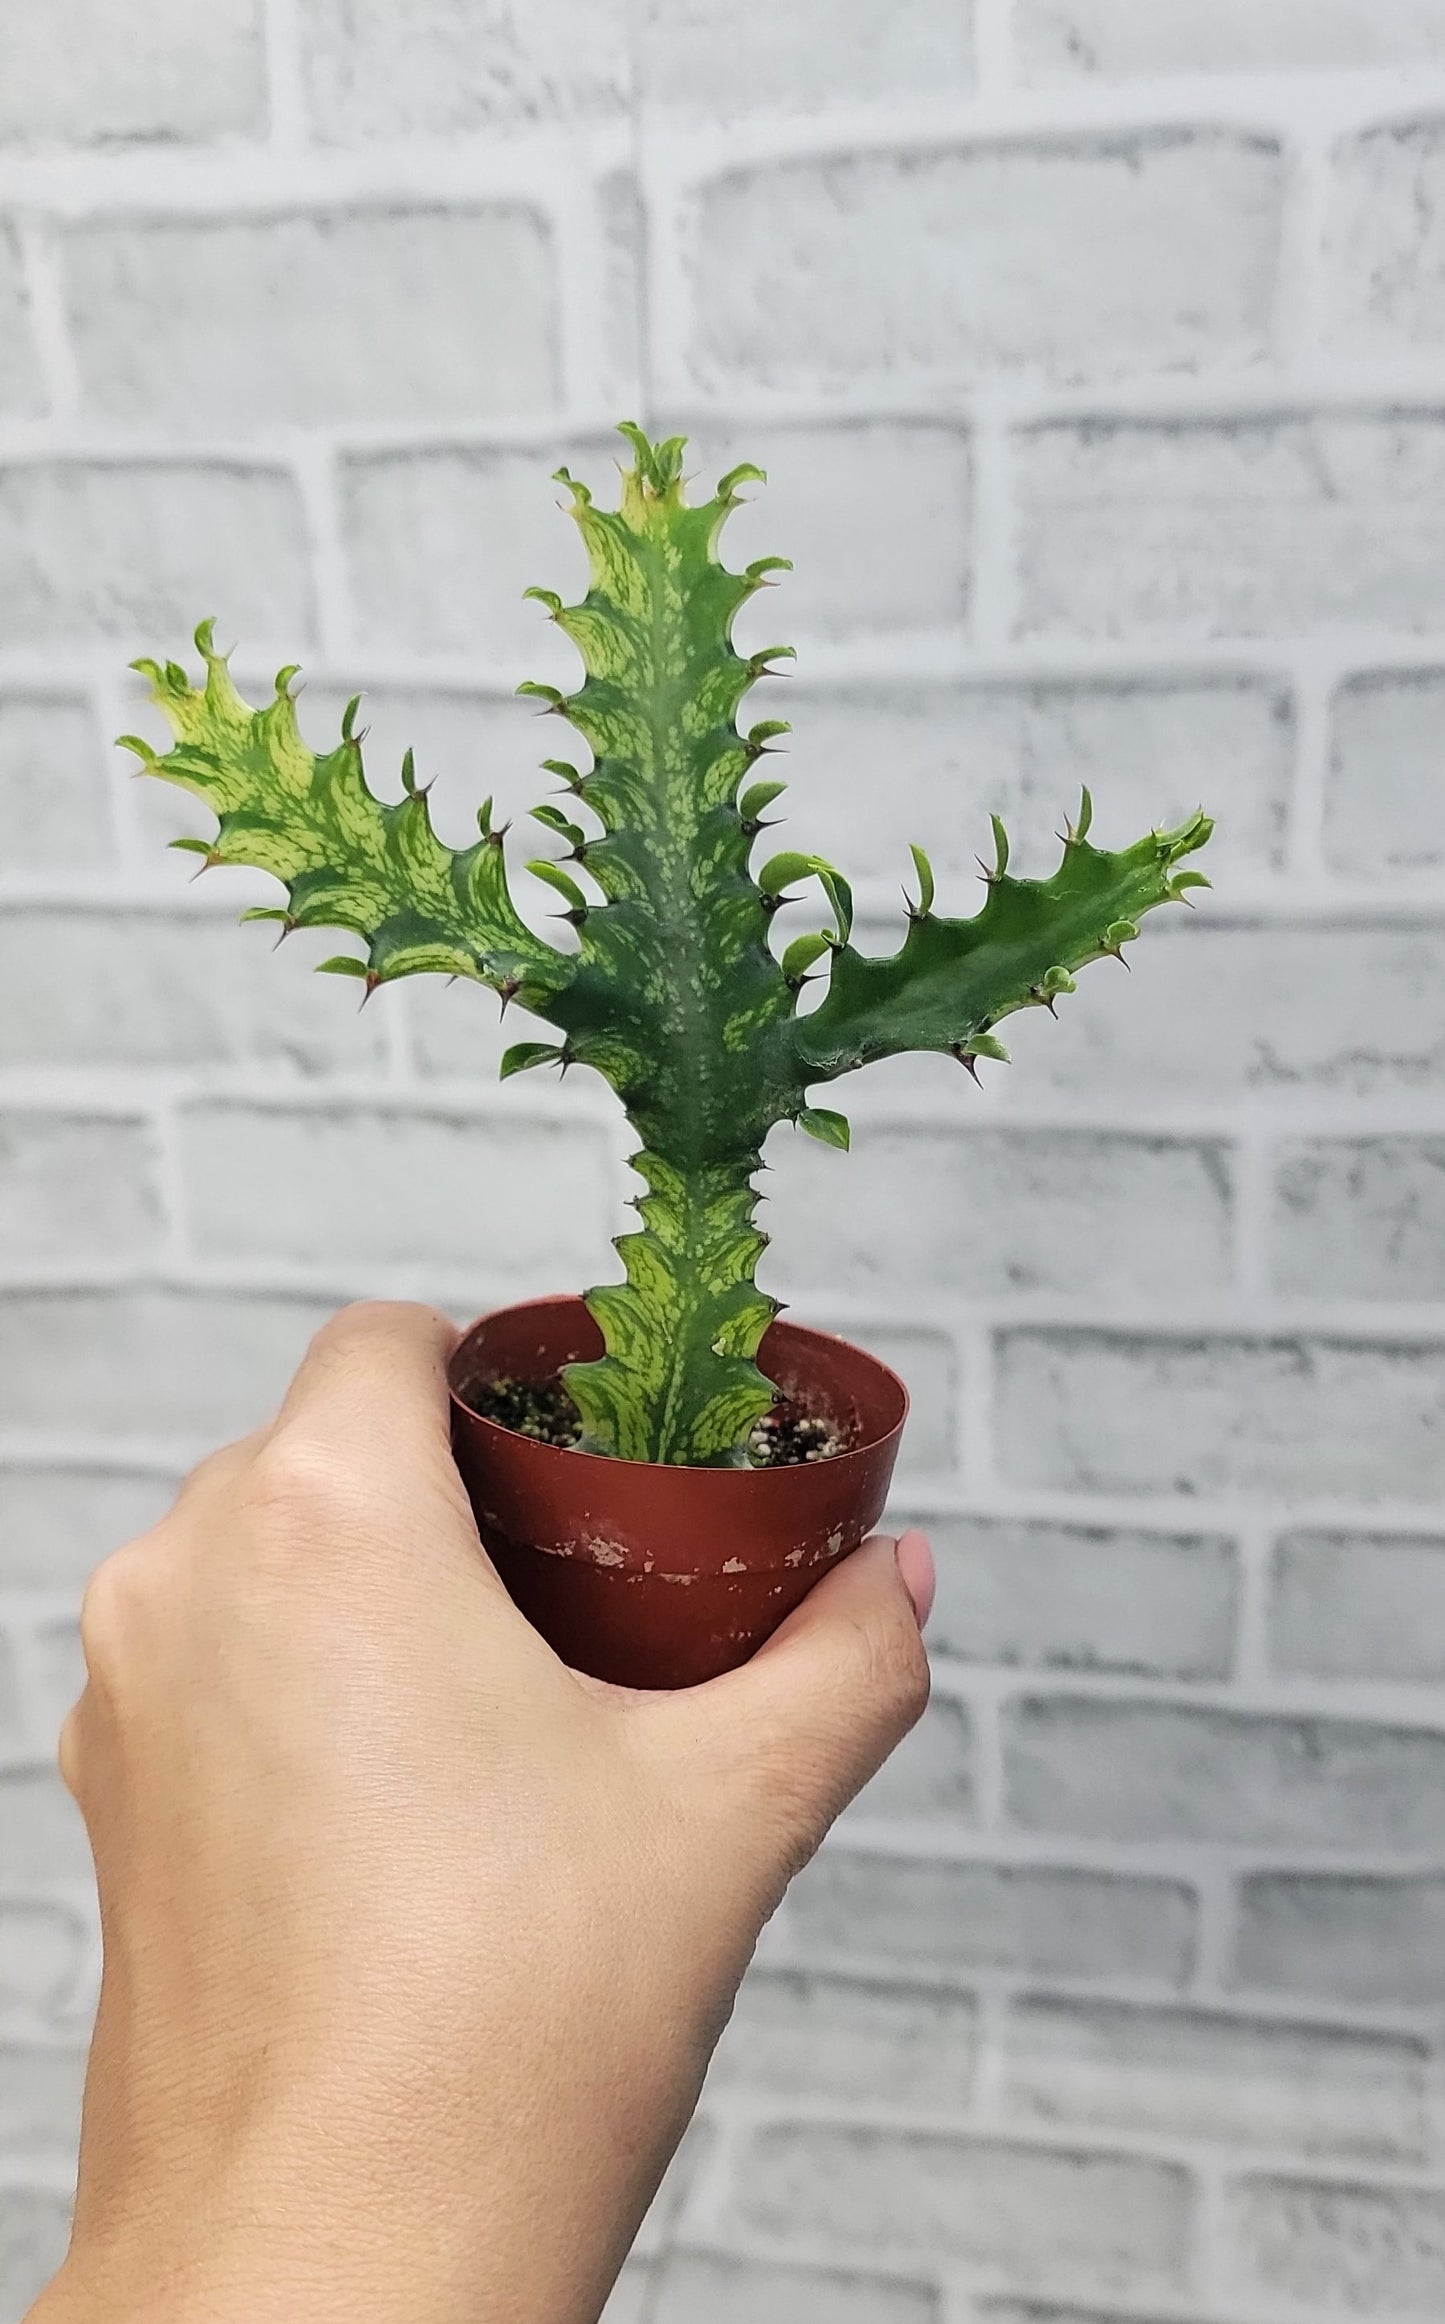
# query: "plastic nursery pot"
{"type": "Point", "coordinates": [662, 1577]}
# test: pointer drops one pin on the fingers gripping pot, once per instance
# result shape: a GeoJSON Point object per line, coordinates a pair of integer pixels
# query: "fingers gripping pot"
{"type": "Point", "coordinates": [661, 1576]}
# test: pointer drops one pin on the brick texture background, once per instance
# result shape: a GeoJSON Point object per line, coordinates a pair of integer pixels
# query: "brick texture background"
{"type": "Point", "coordinates": [1097, 352]}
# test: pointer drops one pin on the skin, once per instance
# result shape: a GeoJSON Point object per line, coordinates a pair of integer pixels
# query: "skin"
{"type": "Point", "coordinates": [417, 1944]}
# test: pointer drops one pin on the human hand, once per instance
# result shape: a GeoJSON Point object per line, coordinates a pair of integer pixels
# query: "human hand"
{"type": "Point", "coordinates": [416, 1943]}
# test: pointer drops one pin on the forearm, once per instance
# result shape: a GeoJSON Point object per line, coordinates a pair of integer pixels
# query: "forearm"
{"type": "Point", "coordinates": [311, 2223]}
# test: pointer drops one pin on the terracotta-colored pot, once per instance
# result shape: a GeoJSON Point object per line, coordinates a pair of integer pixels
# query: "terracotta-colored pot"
{"type": "Point", "coordinates": [661, 1577]}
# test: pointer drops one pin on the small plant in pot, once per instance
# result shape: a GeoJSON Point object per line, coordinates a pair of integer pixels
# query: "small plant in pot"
{"type": "Point", "coordinates": [661, 1469]}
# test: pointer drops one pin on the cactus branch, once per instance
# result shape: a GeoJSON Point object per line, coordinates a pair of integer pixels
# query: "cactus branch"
{"type": "Point", "coordinates": [953, 980]}
{"type": "Point", "coordinates": [346, 858]}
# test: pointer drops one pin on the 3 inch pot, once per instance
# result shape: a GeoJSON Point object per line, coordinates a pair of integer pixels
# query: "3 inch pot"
{"type": "Point", "coordinates": [661, 1577]}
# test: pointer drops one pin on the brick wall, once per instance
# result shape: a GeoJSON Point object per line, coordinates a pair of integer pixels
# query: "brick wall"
{"type": "Point", "coordinates": [1097, 350]}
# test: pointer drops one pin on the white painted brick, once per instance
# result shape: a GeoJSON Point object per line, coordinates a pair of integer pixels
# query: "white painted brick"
{"type": "Point", "coordinates": [1253, 527]}
{"type": "Point", "coordinates": [443, 543]}
{"type": "Point", "coordinates": [21, 387]}
{"type": "Point", "coordinates": [101, 74]}
{"type": "Point", "coordinates": [1080, 1598]}
{"type": "Point", "coordinates": [697, 2288]}
{"type": "Point", "coordinates": [989, 1211]}
{"type": "Point", "coordinates": [621, 358]}
{"type": "Point", "coordinates": [195, 1366]}
{"type": "Point", "coordinates": [1361, 1218]}
{"type": "Point", "coordinates": [876, 516]}
{"type": "Point", "coordinates": [632, 2296]}
{"type": "Point", "coordinates": [1073, 260]}
{"type": "Point", "coordinates": [1359, 1605]}
{"type": "Point", "coordinates": [879, 2044]}
{"type": "Point", "coordinates": [52, 788]}
{"type": "Point", "coordinates": [1094, 2221]}
{"type": "Point", "coordinates": [930, 1775]}
{"type": "Point", "coordinates": [40, 1828]}
{"type": "Point", "coordinates": [1119, 39]}
{"type": "Point", "coordinates": [1031, 1920]}
{"type": "Point", "coordinates": [518, 1197]}
{"type": "Point", "coordinates": [1228, 2080]}
{"type": "Point", "coordinates": [1090, 255]}
{"type": "Point", "coordinates": [1342, 1937]}
{"type": "Point", "coordinates": [1140, 1771]}
{"type": "Point", "coordinates": [77, 1187]}
{"type": "Point", "coordinates": [334, 316]}
{"type": "Point", "coordinates": [117, 989]}
{"type": "Point", "coordinates": [1386, 246]}
{"type": "Point", "coordinates": [57, 1524]}
{"type": "Point", "coordinates": [1097, 1412]}
{"type": "Point", "coordinates": [927, 1363]}
{"type": "Point", "coordinates": [34, 2233]}
{"type": "Point", "coordinates": [12, 1726]}
{"type": "Point", "coordinates": [40, 1953]}
{"type": "Point", "coordinates": [57, 1677]}
{"type": "Point", "coordinates": [1347, 2251]}
{"type": "Point", "coordinates": [39, 2098]}
{"type": "Point", "coordinates": [872, 767]}
{"type": "Point", "coordinates": [1381, 809]}
{"type": "Point", "coordinates": [1215, 1012]}
{"type": "Point", "coordinates": [692, 2161]}
{"type": "Point", "coordinates": [143, 550]}
{"type": "Point", "coordinates": [458, 68]}
{"type": "Point", "coordinates": [1009, 2311]}
{"type": "Point", "coordinates": [726, 57]}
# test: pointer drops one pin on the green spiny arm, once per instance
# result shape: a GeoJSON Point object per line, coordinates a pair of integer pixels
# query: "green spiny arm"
{"type": "Point", "coordinates": [346, 858]}
{"type": "Point", "coordinates": [952, 980]}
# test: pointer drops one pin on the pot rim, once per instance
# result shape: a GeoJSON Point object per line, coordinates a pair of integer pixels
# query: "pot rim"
{"type": "Point", "coordinates": [836, 1465]}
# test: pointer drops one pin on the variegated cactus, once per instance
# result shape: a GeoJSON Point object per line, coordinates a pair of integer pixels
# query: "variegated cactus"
{"type": "Point", "coordinates": [673, 993]}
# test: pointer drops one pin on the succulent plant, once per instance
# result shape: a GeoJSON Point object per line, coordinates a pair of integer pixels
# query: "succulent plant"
{"type": "Point", "coordinates": [672, 991]}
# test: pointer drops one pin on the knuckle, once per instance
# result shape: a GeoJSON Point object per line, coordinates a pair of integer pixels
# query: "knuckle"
{"type": "Point", "coordinates": [218, 1469]}
{"type": "Point", "coordinates": [300, 1492]}
{"type": "Point", "coordinates": [363, 1321]}
{"type": "Point", "coordinates": [116, 1608]}
{"type": "Point", "coordinates": [356, 1321]}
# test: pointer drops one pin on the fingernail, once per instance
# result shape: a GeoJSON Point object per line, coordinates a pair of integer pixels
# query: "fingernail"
{"type": "Point", "coordinates": [917, 1573]}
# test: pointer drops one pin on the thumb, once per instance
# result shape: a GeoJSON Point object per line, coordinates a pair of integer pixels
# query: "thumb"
{"type": "Point", "coordinates": [821, 1705]}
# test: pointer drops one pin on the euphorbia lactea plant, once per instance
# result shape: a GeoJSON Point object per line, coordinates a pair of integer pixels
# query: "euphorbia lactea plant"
{"type": "Point", "coordinates": [673, 993]}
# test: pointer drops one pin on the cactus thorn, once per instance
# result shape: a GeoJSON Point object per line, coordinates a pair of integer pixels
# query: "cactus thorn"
{"type": "Point", "coordinates": [1078, 831]}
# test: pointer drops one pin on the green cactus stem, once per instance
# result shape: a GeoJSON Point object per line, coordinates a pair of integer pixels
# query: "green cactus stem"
{"type": "Point", "coordinates": [673, 994]}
